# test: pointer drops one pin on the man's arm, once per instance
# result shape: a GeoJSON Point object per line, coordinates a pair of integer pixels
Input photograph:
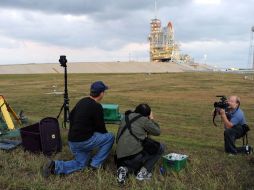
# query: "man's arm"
{"type": "Point", "coordinates": [99, 120]}
{"type": "Point", "coordinates": [225, 120]}
{"type": "Point", "coordinates": [152, 127]}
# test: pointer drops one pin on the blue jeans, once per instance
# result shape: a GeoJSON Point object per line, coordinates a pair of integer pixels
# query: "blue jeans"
{"type": "Point", "coordinates": [82, 150]}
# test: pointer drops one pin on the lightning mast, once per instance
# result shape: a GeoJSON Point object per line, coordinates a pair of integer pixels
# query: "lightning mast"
{"type": "Point", "coordinates": [251, 50]}
{"type": "Point", "coordinates": [252, 31]}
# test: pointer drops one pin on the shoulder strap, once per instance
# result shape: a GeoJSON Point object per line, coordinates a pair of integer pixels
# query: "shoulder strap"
{"type": "Point", "coordinates": [127, 124]}
{"type": "Point", "coordinates": [129, 128]}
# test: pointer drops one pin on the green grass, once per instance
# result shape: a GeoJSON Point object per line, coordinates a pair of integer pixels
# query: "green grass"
{"type": "Point", "coordinates": [182, 104]}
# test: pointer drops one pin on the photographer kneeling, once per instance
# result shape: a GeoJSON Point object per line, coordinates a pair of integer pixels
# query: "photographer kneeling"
{"type": "Point", "coordinates": [136, 153]}
{"type": "Point", "coordinates": [87, 133]}
{"type": "Point", "coordinates": [234, 123]}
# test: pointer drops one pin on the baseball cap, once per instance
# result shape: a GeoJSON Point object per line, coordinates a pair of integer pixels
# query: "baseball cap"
{"type": "Point", "coordinates": [98, 87]}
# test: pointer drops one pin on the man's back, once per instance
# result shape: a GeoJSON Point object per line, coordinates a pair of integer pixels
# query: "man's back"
{"type": "Point", "coordinates": [85, 119]}
{"type": "Point", "coordinates": [127, 144]}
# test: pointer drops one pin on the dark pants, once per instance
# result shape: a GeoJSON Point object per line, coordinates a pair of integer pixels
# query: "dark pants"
{"type": "Point", "coordinates": [142, 159]}
{"type": "Point", "coordinates": [230, 135]}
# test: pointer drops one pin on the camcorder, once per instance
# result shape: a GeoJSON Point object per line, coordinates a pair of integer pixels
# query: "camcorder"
{"type": "Point", "coordinates": [221, 104]}
{"type": "Point", "coordinates": [63, 61]}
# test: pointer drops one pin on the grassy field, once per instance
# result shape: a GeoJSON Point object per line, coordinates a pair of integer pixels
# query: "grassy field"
{"type": "Point", "coordinates": [182, 104]}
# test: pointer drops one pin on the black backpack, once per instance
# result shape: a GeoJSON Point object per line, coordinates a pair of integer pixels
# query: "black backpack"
{"type": "Point", "coordinates": [43, 136]}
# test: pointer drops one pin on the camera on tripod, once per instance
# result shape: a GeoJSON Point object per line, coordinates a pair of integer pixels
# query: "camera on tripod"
{"type": "Point", "coordinates": [65, 106]}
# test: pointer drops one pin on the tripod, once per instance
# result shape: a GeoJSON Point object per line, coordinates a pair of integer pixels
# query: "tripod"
{"type": "Point", "coordinates": [65, 105]}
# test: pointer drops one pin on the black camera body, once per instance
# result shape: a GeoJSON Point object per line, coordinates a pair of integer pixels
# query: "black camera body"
{"type": "Point", "coordinates": [63, 61]}
{"type": "Point", "coordinates": [222, 104]}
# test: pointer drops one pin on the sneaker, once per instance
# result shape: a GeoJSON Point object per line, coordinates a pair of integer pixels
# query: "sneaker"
{"type": "Point", "coordinates": [249, 149]}
{"type": "Point", "coordinates": [48, 169]}
{"type": "Point", "coordinates": [143, 174]}
{"type": "Point", "coordinates": [121, 174]}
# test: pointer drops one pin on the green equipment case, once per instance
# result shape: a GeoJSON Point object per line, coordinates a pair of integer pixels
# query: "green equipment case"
{"type": "Point", "coordinates": [111, 113]}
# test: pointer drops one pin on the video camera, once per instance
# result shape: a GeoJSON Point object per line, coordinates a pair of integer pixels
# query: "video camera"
{"type": "Point", "coordinates": [63, 61]}
{"type": "Point", "coordinates": [221, 104]}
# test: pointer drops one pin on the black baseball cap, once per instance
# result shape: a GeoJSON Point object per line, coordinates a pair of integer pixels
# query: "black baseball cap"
{"type": "Point", "coordinates": [98, 87]}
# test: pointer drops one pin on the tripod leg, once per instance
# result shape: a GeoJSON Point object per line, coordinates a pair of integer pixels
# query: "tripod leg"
{"type": "Point", "coordinates": [60, 111]}
{"type": "Point", "coordinates": [66, 114]}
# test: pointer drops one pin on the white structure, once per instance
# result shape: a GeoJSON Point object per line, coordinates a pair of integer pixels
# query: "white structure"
{"type": "Point", "coordinates": [252, 31]}
{"type": "Point", "coordinates": [251, 50]}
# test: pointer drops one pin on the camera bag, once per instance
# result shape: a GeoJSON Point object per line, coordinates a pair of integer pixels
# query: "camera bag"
{"type": "Point", "coordinates": [43, 136]}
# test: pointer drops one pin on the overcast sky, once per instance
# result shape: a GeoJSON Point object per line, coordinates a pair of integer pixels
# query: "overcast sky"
{"type": "Point", "coordinates": [33, 31]}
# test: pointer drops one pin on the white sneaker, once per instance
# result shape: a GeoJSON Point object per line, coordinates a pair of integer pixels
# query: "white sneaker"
{"type": "Point", "coordinates": [249, 149]}
{"type": "Point", "coordinates": [122, 174]}
{"type": "Point", "coordinates": [143, 174]}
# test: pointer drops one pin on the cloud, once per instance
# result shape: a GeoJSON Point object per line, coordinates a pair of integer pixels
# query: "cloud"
{"type": "Point", "coordinates": [212, 22]}
{"type": "Point", "coordinates": [71, 30]}
{"type": "Point", "coordinates": [113, 27]}
{"type": "Point", "coordinates": [103, 9]}
{"type": "Point", "coordinates": [219, 53]}
{"type": "Point", "coordinates": [33, 52]}
{"type": "Point", "coordinates": [8, 43]}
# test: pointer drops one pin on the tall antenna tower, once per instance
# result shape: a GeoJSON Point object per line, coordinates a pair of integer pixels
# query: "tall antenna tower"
{"type": "Point", "coordinates": [252, 31]}
{"type": "Point", "coordinates": [251, 50]}
{"type": "Point", "coordinates": [155, 9]}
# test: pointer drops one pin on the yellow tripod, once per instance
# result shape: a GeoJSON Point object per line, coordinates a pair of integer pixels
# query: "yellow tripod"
{"type": "Point", "coordinates": [7, 111]}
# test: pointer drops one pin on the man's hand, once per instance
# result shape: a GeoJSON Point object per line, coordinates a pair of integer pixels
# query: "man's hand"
{"type": "Point", "coordinates": [222, 112]}
{"type": "Point", "coordinates": [151, 115]}
{"type": "Point", "coordinates": [224, 118]}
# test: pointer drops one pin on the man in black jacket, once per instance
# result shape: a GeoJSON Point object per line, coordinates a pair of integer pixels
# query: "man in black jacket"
{"type": "Point", "coordinates": [87, 132]}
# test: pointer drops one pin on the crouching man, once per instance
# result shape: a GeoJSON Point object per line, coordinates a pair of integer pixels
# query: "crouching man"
{"type": "Point", "coordinates": [135, 153]}
{"type": "Point", "coordinates": [234, 123]}
{"type": "Point", "coordinates": [87, 132]}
